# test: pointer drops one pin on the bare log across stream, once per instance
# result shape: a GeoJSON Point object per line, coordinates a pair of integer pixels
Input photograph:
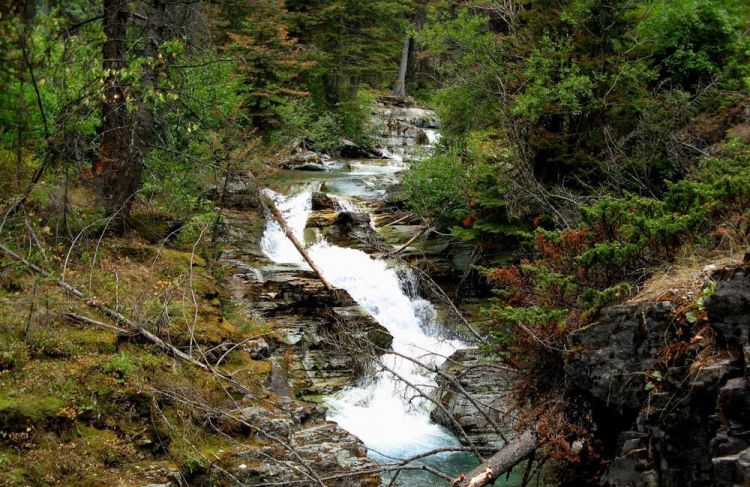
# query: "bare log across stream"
{"type": "Point", "coordinates": [508, 457]}
{"type": "Point", "coordinates": [268, 202]}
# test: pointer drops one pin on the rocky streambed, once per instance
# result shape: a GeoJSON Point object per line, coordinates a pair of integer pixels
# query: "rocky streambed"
{"type": "Point", "coordinates": [335, 398]}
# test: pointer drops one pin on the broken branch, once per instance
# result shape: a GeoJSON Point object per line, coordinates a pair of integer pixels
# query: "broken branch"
{"type": "Point", "coordinates": [508, 457]}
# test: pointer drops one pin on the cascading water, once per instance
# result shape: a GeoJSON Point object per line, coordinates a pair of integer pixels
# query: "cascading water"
{"type": "Point", "coordinates": [389, 413]}
{"type": "Point", "coordinates": [295, 209]}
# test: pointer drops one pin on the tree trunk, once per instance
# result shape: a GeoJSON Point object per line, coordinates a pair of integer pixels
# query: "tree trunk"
{"type": "Point", "coordinates": [125, 139]}
{"type": "Point", "coordinates": [508, 457]}
{"type": "Point", "coordinates": [113, 147]}
{"type": "Point", "coordinates": [400, 88]}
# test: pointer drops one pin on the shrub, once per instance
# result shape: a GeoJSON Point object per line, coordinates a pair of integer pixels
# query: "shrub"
{"type": "Point", "coordinates": [576, 272]}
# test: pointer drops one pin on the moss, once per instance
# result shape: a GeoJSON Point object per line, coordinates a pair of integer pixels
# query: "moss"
{"type": "Point", "coordinates": [150, 225]}
{"type": "Point", "coordinates": [64, 341]}
{"type": "Point", "coordinates": [15, 404]}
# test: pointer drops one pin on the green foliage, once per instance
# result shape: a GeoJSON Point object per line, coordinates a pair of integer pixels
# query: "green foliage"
{"type": "Point", "coordinates": [325, 127]}
{"type": "Point", "coordinates": [119, 365]}
{"type": "Point", "coordinates": [576, 272]}
{"type": "Point", "coordinates": [583, 95]}
{"type": "Point", "coordinates": [358, 43]}
{"type": "Point", "coordinates": [436, 187]}
{"type": "Point", "coordinates": [694, 40]}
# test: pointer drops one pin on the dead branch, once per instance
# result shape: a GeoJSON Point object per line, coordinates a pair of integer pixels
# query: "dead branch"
{"type": "Point", "coordinates": [268, 202]}
{"type": "Point", "coordinates": [90, 321]}
{"type": "Point", "coordinates": [410, 241]}
{"type": "Point", "coordinates": [508, 457]}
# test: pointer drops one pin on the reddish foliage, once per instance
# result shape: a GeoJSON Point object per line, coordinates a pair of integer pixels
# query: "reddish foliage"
{"type": "Point", "coordinates": [470, 220]}
{"type": "Point", "coordinates": [506, 276]}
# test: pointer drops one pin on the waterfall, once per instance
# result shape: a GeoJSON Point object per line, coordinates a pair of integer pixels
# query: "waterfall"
{"type": "Point", "coordinates": [384, 413]}
{"type": "Point", "coordinates": [295, 209]}
{"type": "Point", "coordinates": [390, 417]}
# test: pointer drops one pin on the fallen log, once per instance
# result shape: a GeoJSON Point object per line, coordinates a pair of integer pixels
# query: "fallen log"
{"type": "Point", "coordinates": [508, 457]}
{"type": "Point", "coordinates": [268, 202]}
{"type": "Point", "coordinates": [115, 315]}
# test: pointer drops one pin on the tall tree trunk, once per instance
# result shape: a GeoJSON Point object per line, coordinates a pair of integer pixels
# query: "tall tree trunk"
{"type": "Point", "coordinates": [400, 88]}
{"type": "Point", "coordinates": [144, 116]}
{"type": "Point", "coordinates": [126, 138]}
{"type": "Point", "coordinates": [113, 146]}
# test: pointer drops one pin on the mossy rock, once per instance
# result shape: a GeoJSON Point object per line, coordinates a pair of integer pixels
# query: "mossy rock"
{"type": "Point", "coordinates": [18, 409]}
{"type": "Point", "coordinates": [63, 341]}
{"type": "Point", "coordinates": [150, 225]}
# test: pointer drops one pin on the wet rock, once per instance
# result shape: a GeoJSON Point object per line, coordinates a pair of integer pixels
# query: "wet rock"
{"type": "Point", "coordinates": [488, 386]}
{"type": "Point", "coordinates": [310, 166]}
{"type": "Point", "coordinates": [302, 157]}
{"type": "Point", "coordinates": [351, 218]}
{"type": "Point", "coordinates": [322, 218]}
{"type": "Point", "coordinates": [350, 150]}
{"type": "Point", "coordinates": [395, 196]}
{"type": "Point", "coordinates": [322, 201]}
{"type": "Point", "coordinates": [308, 323]}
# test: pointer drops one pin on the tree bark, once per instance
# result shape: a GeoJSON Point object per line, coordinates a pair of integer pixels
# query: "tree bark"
{"type": "Point", "coordinates": [400, 88]}
{"type": "Point", "coordinates": [508, 457]}
{"type": "Point", "coordinates": [113, 147]}
{"type": "Point", "coordinates": [126, 138]}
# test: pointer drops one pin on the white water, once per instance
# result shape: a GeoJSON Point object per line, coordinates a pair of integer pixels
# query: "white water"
{"type": "Point", "coordinates": [389, 416]}
{"type": "Point", "coordinates": [295, 209]}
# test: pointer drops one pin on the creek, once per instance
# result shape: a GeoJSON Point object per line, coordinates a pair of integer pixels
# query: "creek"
{"type": "Point", "coordinates": [389, 411]}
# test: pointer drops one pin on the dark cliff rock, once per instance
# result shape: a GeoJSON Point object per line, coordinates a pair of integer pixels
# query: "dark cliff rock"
{"type": "Point", "coordinates": [672, 422]}
{"type": "Point", "coordinates": [616, 349]}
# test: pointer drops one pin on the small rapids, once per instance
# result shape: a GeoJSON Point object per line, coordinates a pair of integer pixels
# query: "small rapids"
{"type": "Point", "coordinates": [388, 413]}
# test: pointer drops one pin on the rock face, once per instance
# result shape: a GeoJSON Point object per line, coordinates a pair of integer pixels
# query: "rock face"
{"type": "Point", "coordinates": [403, 128]}
{"type": "Point", "coordinates": [302, 356]}
{"type": "Point", "coordinates": [326, 447]}
{"type": "Point", "coordinates": [489, 387]}
{"type": "Point", "coordinates": [621, 344]}
{"type": "Point", "coordinates": [688, 425]}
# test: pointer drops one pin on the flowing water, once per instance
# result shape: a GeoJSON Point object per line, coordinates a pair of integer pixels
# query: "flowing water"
{"type": "Point", "coordinates": [389, 412]}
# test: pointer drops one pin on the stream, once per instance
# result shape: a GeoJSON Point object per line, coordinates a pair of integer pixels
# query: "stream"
{"type": "Point", "coordinates": [389, 416]}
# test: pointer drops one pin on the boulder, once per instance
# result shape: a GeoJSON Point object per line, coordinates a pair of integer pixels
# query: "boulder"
{"type": "Point", "coordinates": [310, 167]}
{"type": "Point", "coordinates": [322, 201]}
{"type": "Point", "coordinates": [302, 157]}
{"type": "Point", "coordinates": [729, 306]}
{"type": "Point", "coordinates": [350, 150]}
